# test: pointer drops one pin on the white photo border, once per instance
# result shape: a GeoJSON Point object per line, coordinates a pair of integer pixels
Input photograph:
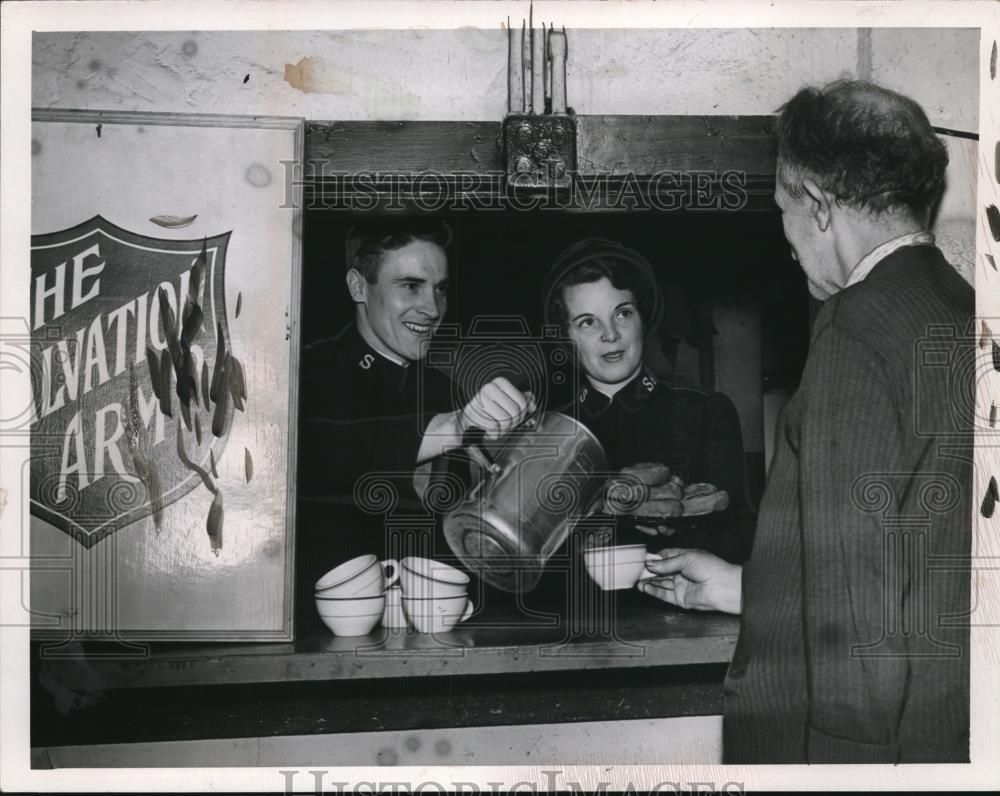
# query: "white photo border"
{"type": "Point", "coordinates": [19, 19]}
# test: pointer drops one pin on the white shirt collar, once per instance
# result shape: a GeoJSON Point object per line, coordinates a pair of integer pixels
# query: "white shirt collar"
{"type": "Point", "coordinates": [395, 360]}
{"type": "Point", "coordinates": [607, 390]}
{"type": "Point", "coordinates": [879, 253]}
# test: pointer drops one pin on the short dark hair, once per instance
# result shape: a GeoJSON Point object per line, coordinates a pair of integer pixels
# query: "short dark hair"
{"type": "Point", "coordinates": [595, 259]}
{"type": "Point", "coordinates": [367, 242]}
{"type": "Point", "coordinates": [872, 148]}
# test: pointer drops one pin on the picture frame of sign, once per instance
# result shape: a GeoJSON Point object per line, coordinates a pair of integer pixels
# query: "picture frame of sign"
{"type": "Point", "coordinates": [164, 340]}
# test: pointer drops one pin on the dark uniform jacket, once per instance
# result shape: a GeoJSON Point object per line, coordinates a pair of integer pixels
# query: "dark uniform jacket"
{"type": "Point", "coordinates": [854, 642]}
{"type": "Point", "coordinates": [696, 433]}
{"type": "Point", "coordinates": [362, 420]}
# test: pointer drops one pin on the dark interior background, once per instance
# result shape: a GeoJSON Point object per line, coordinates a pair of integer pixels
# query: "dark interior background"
{"type": "Point", "coordinates": [498, 260]}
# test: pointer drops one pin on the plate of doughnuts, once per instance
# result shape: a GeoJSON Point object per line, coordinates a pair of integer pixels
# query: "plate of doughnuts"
{"type": "Point", "coordinates": [649, 492]}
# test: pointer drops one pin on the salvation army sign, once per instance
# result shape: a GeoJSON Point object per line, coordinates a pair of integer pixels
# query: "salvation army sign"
{"type": "Point", "coordinates": [164, 358]}
{"type": "Point", "coordinates": [134, 382]}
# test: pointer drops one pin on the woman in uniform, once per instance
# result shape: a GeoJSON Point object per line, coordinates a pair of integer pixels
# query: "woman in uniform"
{"type": "Point", "coordinates": [605, 299]}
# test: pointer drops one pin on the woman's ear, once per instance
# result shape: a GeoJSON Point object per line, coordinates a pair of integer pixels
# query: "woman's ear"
{"type": "Point", "coordinates": [821, 203]}
{"type": "Point", "coordinates": [357, 286]}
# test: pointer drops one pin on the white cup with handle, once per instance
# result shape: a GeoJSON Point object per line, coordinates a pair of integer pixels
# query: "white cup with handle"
{"type": "Point", "coordinates": [436, 614]}
{"type": "Point", "coordinates": [616, 567]}
{"type": "Point", "coordinates": [364, 576]}
{"type": "Point", "coordinates": [425, 577]}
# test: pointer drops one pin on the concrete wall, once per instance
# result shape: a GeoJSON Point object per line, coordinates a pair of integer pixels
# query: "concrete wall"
{"type": "Point", "coordinates": [938, 68]}
{"type": "Point", "coordinates": [461, 74]}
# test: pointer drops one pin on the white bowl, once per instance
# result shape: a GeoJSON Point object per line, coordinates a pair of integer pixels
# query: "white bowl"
{"type": "Point", "coordinates": [614, 568]}
{"type": "Point", "coordinates": [349, 606]}
{"type": "Point", "coordinates": [424, 577]}
{"type": "Point", "coordinates": [352, 616]}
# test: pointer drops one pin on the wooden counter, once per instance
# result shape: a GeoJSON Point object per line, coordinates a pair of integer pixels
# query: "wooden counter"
{"type": "Point", "coordinates": [644, 661]}
{"type": "Point", "coordinates": [639, 633]}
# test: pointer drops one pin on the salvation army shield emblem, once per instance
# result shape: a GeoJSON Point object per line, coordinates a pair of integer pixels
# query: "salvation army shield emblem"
{"type": "Point", "coordinates": [134, 383]}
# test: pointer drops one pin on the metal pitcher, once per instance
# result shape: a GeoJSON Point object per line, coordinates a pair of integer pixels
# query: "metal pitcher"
{"type": "Point", "coordinates": [528, 495]}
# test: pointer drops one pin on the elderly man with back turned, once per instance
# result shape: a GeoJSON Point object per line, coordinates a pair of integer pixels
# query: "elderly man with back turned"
{"type": "Point", "coordinates": [853, 646]}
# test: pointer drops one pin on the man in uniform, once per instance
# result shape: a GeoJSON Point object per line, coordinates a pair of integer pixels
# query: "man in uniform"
{"type": "Point", "coordinates": [371, 411]}
{"type": "Point", "coordinates": [852, 647]}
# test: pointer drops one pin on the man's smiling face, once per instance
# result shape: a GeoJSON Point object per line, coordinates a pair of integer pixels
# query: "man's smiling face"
{"type": "Point", "coordinates": [405, 305]}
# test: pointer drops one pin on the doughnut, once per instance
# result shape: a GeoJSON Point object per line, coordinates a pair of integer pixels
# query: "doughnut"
{"type": "Point", "coordinates": [661, 508]}
{"type": "Point", "coordinates": [649, 473]}
{"type": "Point", "coordinates": [699, 490]}
{"type": "Point", "coordinates": [706, 504]}
{"type": "Point", "coordinates": [668, 491]}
